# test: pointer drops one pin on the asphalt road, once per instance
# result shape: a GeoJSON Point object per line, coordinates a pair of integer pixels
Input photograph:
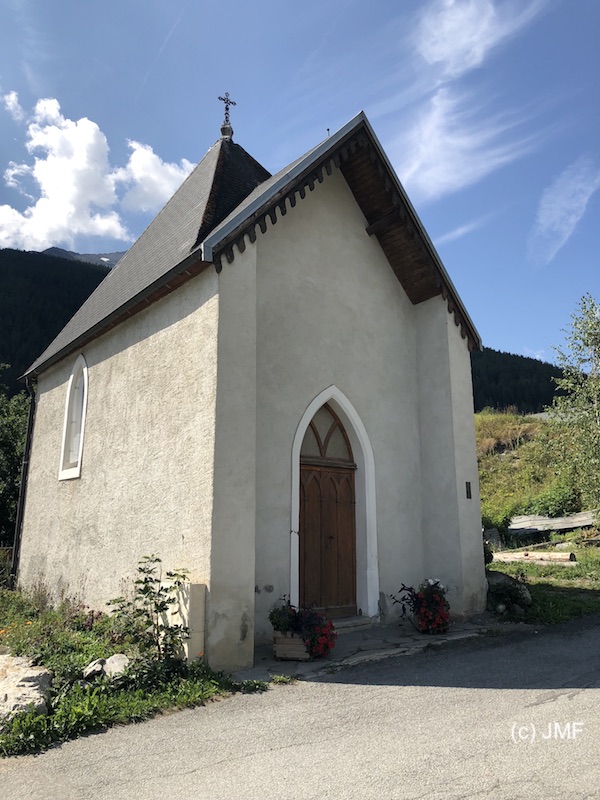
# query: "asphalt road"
{"type": "Point", "coordinates": [497, 717]}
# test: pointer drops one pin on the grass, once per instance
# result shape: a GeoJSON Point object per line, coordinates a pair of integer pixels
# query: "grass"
{"type": "Point", "coordinates": [283, 680]}
{"type": "Point", "coordinates": [517, 469]}
{"type": "Point", "coordinates": [65, 639]}
{"type": "Point", "coordinates": [497, 431]}
{"type": "Point", "coordinates": [559, 593]}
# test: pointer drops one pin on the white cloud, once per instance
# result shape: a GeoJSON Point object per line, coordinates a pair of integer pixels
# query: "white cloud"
{"type": "Point", "coordinates": [12, 175]}
{"type": "Point", "coordinates": [75, 184]}
{"type": "Point", "coordinates": [457, 35]}
{"type": "Point", "coordinates": [12, 105]}
{"type": "Point", "coordinates": [462, 230]}
{"type": "Point", "coordinates": [561, 206]}
{"type": "Point", "coordinates": [452, 146]}
{"type": "Point", "coordinates": [540, 355]}
{"type": "Point", "coordinates": [151, 181]}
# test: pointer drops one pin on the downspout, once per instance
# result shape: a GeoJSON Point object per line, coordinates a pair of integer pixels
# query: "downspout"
{"type": "Point", "coordinates": [23, 488]}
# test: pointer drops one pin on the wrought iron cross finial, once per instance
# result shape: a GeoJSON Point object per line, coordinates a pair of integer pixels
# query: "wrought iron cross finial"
{"type": "Point", "coordinates": [228, 102]}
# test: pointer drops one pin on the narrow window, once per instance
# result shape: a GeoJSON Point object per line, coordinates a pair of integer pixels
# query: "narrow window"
{"type": "Point", "coordinates": [74, 422]}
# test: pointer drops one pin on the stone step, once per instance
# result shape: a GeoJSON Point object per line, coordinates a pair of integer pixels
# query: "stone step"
{"type": "Point", "coordinates": [352, 624]}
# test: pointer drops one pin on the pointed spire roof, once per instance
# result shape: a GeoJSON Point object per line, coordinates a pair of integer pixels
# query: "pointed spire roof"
{"type": "Point", "coordinates": [221, 181]}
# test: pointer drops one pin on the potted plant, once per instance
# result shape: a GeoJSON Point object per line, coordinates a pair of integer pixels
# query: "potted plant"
{"type": "Point", "coordinates": [428, 608]}
{"type": "Point", "coordinates": [301, 633]}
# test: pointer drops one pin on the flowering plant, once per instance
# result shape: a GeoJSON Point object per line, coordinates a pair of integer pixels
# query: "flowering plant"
{"type": "Point", "coordinates": [317, 633]}
{"type": "Point", "coordinates": [427, 605]}
{"type": "Point", "coordinates": [320, 639]}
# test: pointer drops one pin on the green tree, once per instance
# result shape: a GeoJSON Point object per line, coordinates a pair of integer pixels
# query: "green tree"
{"type": "Point", "coordinates": [13, 425]}
{"type": "Point", "coordinates": [576, 412]}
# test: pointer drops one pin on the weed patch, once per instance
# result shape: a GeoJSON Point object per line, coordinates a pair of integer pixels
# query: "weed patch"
{"type": "Point", "coordinates": [559, 593]}
{"type": "Point", "coordinates": [68, 637]}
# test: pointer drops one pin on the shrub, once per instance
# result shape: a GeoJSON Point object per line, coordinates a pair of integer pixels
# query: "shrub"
{"type": "Point", "coordinates": [145, 617]}
{"type": "Point", "coordinates": [5, 563]}
{"type": "Point", "coordinates": [560, 499]}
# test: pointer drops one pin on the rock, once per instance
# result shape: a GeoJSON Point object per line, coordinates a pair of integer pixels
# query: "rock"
{"type": "Point", "coordinates": [94, 669]}
{"type": "Point", "coordinates": [106, 667]}
{"type": "Point", "coordinates": [116, 665]}
{"type": "Point", "coordinates": [518, 610]}
{"type": "Point", "coordinates": [500, 608]}
{"type": "Point", "coordinates": [503, 588]}
{"type": "Point", "coordinates": [22, 686]}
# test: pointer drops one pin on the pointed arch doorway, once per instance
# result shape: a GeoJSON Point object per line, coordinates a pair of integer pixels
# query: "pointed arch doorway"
{"type": "Point", "coordinates": [327, 530]}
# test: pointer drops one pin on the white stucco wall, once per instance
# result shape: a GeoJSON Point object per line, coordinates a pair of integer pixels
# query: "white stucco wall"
{"type": "Point", "coordinates": [452, 541]}
{"type": "Point", "coordinates": [230, 606]}
{"type": "Point", "coordinates": [474, 587]}
{"type": "Point", "coordinates": [146, 484]}
{"type": "Point", "coordinates": [331, 312]}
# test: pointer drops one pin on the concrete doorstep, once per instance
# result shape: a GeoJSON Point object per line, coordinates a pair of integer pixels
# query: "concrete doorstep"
{"type": "Point", "coordinates": [355, 645]}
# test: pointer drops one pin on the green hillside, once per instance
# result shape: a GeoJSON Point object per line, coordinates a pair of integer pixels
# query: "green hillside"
{"type": "Point", "coordinates": [518, 470]}
{"type": "Point", "coordinates": [38, 296]}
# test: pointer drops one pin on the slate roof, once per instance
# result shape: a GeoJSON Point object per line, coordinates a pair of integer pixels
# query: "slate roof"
{"type": "Point", "coordinates": [223, 202]}
{"type": "Point", "coordinates": [224, 177]}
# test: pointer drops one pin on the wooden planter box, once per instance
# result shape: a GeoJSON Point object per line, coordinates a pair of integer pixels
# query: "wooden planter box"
{"type": "Point", "coordinates": [289, 647]}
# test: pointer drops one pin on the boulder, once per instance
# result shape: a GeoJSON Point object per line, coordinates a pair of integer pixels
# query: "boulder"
{"type": "Point", "coordinates": [106, 667]}
{"type": "Point", "coordinates": [116, 665]}
{"type": "Point", "coordinates": [22, 686]}
{"type": "Point", "coordinates": [94, 669]}
{"type": "Point", "coordinates": [505, 589]}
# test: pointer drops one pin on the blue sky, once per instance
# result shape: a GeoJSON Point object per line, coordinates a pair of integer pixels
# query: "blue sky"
{"type": "Point", "coordinates": [488, 109]}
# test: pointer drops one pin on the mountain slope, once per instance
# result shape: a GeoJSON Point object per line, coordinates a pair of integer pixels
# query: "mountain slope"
{"type": "Point", "coordinates": [104, 259]}
{"type": "Point", "coordinates": [501, 380]}
{"type": "Point", "coordinates": [38, 295]}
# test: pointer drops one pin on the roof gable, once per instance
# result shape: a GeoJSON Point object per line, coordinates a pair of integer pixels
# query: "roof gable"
{"type": "Point", "coordinates": [357, 152]}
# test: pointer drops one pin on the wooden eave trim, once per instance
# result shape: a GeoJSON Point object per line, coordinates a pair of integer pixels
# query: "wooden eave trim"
{"type": "Point", "coordinates": [179, 275]}
{"type": "Point", "coordinates": [407, 215]}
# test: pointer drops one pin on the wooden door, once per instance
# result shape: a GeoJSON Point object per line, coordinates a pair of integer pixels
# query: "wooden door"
{"type": "Point", "coordinates": [327, 519]}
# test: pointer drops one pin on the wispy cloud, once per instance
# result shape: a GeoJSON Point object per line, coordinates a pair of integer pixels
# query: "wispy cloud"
{"type": "Point", "coordinates": [561, 206]}
{"type": "Point", "coordinates": [457, 35]}
{"type": "Point", "coordinates": [72, 188]}
{"type": "Point", "coordinates": [463, 230]}
{"type": "Point", "coordinates": [33, 43]}
{"type": "Point", "coordinates": [452, 145]}
{"type": "Point", "coordinates": [451, 138]}
{"type": "Point", "coordinates": [162, 48]}
{"type": "Point", "coordinates": [12, 105]}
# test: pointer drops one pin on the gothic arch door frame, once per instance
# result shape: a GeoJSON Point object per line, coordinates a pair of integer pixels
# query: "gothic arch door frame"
{"type": "Point", "coordinates": [327, 527]}
{"type": "Point", "coordinates": [367, 568]}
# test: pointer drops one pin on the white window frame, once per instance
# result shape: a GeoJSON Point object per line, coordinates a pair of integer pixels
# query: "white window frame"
{"type": "Point", "coordinates": [74, 422]}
